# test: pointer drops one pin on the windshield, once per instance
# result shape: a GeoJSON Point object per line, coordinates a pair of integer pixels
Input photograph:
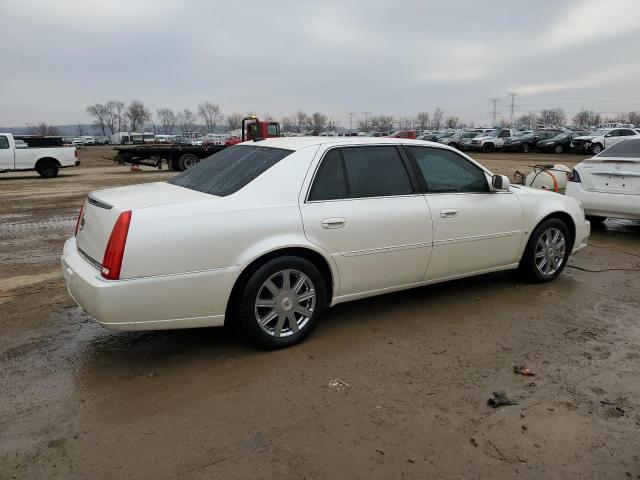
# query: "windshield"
{"type": "Point", "coordinates": [600, 132]}
{"type": "Point", "coordinates": [231, 169]}
{"type": "Point", "coordinates": [492, 133]}
{"type": "Point", "coordinates": [560, 136]}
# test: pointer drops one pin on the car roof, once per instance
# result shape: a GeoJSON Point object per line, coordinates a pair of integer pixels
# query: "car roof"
{"type": "Point", "coordinates": [298, 143]}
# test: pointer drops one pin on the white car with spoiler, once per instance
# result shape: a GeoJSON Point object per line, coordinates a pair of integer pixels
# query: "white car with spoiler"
{"type": "Point", "coordinates": [608, 184]}
{"type": "Point", "coordinates": [266, 234]}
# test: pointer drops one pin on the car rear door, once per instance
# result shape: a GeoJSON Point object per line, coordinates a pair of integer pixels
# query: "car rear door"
{"type": "Point", "coordinates": [7, 158]}
{"type": "Point", "coordinates": [474, 229]}
{"type": "Point", "coordinates": [364, 209]}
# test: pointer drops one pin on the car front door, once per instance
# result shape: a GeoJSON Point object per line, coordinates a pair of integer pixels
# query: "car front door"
{"type": "Point", "coordinates": [474, 229]}
{"type": "Point", "coordinates": [6, 154]}
{"type": "Point", "coordinates": [613, 137]}
{"type": "Point", "coordinates": [364, 209]}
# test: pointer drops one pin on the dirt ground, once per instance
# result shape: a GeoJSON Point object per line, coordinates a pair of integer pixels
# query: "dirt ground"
{"type": "Point", "coordinates": [415, 370]}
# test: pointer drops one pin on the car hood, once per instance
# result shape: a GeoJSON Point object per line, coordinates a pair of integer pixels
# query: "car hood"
{"type": "Point", "coordinates": [586, 137]}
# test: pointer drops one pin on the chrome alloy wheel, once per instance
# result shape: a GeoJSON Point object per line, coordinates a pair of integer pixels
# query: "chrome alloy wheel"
{"type": "Point", "coordinates": [550, 251]}
{"type": "Point", "coordinates": [285, 303]}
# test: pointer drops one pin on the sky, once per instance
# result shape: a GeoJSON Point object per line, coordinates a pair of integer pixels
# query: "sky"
{"type": "Point", "coordinates": [385, 57]}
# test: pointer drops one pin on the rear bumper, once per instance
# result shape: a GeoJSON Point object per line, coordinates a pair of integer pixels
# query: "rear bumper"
{"type": "Point", "coordinates": [187, 300]}
{"type": "Point", "coordinates": [600, 204]}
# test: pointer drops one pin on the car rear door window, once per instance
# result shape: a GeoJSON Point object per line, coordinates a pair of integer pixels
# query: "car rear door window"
{"type": "Point", "coordinates": [228, 171]}
{"type": "Point", "coordinates": [330, 182]}
{"type": "Point", "coordinates": [4, 142]}
{"type": "Point", "coordinates": [445, 171]}
{"type": "Point", "coordinates": [376, 171]}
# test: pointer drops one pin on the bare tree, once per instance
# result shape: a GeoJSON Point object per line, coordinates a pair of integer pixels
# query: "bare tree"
{"type": "Point", "coordinates": [186, 119]}
{"type": "Point", "coordinates": [585, 118]}
{"type": "Point", "coordinates": [288, 124]}
{"type": "Point", "coordinates": [528, 120]}
{"type": "Point", "coordinates": [137, 114]}
{"type": "Point", "coordinates": [364, 125]}
{"type": "Point", "coordinates": [267, 117]}
{"type": "Point", "coordinates": [80, 130]}
{"type": "Point", "coordinates": [101, 116]}
{"type": "Point", "coordinates": [552, 116]}
{"type": "Point", "coordinates": [452, 122]}
{"type": "Point", "coordinates": [42, 129]}
{"type": "Point", "coordinates": [317, 122]}
{"type": "Point", "coordinates": [234, 121]}
{"type": "Point", "coordinates": [301, 120]}
{"type": "Point", "coordinates": [404, 123]}
{"type": "Point", "coordinates": [116, 121]}
{"type": "Point", "coordinates": [210, 113]}
{"type": "Point", "coordinates": [167, 119]}
{"type": "Point", "coordinates": [381, 123]}
{"type": "Point", "coordinates": [437, 119]}
{"type": "Point", "coordinates": [331, 125]}
{"type": "Point", "coordinates": [422, 120]}
{"type": "Point", "coordinates": [634, 117]}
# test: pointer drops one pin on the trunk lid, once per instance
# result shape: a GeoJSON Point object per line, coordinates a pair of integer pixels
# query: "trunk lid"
{"type": "Point", "coordinates": [611, 175]}
{"type": "Point", "coordinates": [103, 207]}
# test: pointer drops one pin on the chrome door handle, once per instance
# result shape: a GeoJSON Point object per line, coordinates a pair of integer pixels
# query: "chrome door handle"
{"type": "Point", "coordinates": [337, 222]}
{"type": "Point", "coordinates": [449, 212]}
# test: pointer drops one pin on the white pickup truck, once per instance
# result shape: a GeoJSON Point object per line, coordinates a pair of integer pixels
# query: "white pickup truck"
{"type": "Point", "coordinates": [45, 161]}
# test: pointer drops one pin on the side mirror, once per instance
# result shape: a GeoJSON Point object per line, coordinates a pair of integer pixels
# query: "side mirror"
{"type": "Point", "coordinates": [500, 183]}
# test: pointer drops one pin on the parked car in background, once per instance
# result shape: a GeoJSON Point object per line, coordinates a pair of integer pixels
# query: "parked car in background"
{"type": "Point", "coordinates": [527, 142]}
{"type": "Point", "coordinates": [457, 139]}
{"type": "Point", "coordinates": [404, 134]}
{"type": "Point", "coordinates": [600, 139]}
{"type": "Point", "coordinates": [608, 184]}
{"type": "Point", "coordinates": [429, 137]}
{"type": "Point", "coordinates": [268, 234]}
{"type": "Point", "coordinates": [88, 140]}
{"type": "Point", "coordinates": [47, 161]}
{"type": "Point", "coordinates": [560, 143]}
{"type": "Point", "coordinates": [494, 140]}
{"type": "Point", "coordinates": [21, 144]}
{"type": "Point", "coordinates": [77, 142]}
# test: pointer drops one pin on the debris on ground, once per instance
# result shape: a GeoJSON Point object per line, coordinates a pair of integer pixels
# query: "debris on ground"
{"type": "Point", "coordinates": [499, 399]}
{"type": "Point", "coordinates": [338, 384]}
{"type": "Point", "coordinates": [474, 441]}
{"type": "Point", "coordinates": [523, 371]}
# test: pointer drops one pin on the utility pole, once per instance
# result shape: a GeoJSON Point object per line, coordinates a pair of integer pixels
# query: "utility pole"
{"type": "Point", "coordinates": [494, 110]}
{"type": "Point", "coordinates": [351, 114]}
{"type": "Point", "coordinates": [366, 118]}
{"type": "Point", "coordinates": [513, 96]}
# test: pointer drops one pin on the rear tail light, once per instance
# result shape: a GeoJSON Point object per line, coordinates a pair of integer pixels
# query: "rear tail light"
{"type": "Point", "coordinates": [80, 217]}
{"type": "Point", "coordinates": [114, 252]}
{"type": "Point", "coordinates": [76, 153]}
{"type": "Point", "coordinates": [574, 176]}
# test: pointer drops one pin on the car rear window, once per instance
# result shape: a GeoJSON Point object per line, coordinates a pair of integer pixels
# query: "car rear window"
{"type": "Point", "coordinates": [228, 171]}
{"type": "Point", "coordinates": [626, 148]}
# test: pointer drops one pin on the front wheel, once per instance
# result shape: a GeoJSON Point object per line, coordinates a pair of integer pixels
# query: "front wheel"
{"type": "Point", "coordinates": [525, 148]}
{"type": "Point", "coordinates": [488, 147]}
{"type": "Point", "coordinates": [547, 252]}
{"type": "Point", "coordinates": [559, 149]}
{"type": "Point", "coordinates": [596, 149]}
{"type": "Point", "coordinates": [282, 302]}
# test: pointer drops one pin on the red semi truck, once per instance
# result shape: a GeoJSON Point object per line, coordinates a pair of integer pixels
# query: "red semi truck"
{"type": "Point", "coordinates": [179, 157]}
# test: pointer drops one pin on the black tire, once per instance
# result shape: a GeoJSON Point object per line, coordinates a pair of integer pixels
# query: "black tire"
{"type": "Point", "coordinates": [529, 269]}
{"type": "Point", "coordinates": [249, 311]}
{"type": "Point", "coordinates": [47, 168]}
{"type": "Point", "coordinates": [559, 149]}
{"type": "Point", "coordinates": [187, 160]}
{"type": "Point", "coordinates": [525, 148]}
{"type": "Point", "coordinates": [596, 148]}
{"type": "Point", "coordinates": [488, 147]}
{"type": "Point", "coordinates": [595, 221]}
{"type": "Point", "coordinates": [454, 145]}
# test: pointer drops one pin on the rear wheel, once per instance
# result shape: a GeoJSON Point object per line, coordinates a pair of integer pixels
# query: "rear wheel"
{"type": "Point", "coordinates": [187, 160]}
{"type": "Point", "coordinates": [559, 149]}
{"type": "Point", "coordinates": [525, 147]}
{"type": "Point", "coordinates": [596, 221]}
{"type": "Point", "coordinates": [547, 252]}
{"type": "Point", "coordinates": [282, 302]}
{"type": "Point", "coordinates": [47, 168]}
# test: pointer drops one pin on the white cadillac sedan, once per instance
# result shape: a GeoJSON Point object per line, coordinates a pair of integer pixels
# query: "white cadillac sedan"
{"type": "Point", "coordinates": [608, 185]}
{"type": "Point", "coordinates": [269, 233]}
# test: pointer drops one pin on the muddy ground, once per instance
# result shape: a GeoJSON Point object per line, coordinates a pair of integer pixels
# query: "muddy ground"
{"type": "Point", "coordinates": [78, 401]}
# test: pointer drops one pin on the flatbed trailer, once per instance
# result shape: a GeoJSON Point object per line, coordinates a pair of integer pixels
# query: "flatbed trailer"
{"type": "Point", "coordinates": [177, 157]}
